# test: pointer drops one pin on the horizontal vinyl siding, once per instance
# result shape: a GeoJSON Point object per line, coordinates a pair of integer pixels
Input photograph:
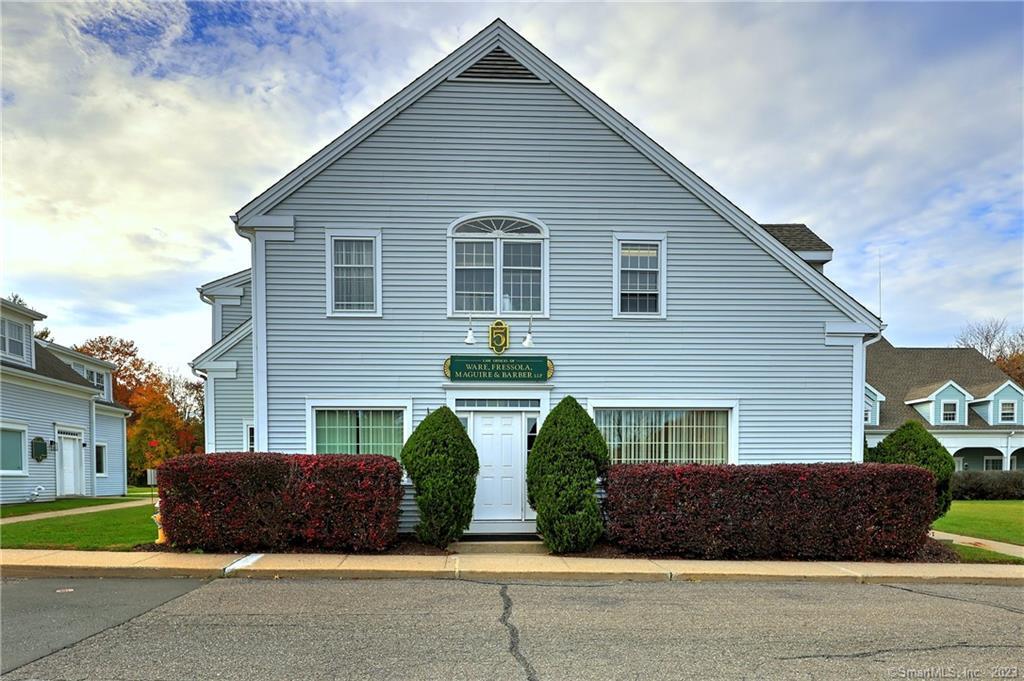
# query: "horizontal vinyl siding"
{"type": "Point", "coordinates": [40, 409]}
{"type": "Point", "coordinates": [232, 316]}
{"type": "Point", "coordinates": [740, 325]}
{"type": "Point", "coordinates": [110, 429]}
{"type": "Point", "coordinates": [233, 398]}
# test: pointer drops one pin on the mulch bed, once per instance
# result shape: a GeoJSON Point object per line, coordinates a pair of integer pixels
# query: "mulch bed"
{"type": "Point", "coordinates": [406, 546]}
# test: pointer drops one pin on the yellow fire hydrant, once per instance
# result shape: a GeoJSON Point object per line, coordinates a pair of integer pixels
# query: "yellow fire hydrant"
{"type": "Point", "coordinates": [161, 538]}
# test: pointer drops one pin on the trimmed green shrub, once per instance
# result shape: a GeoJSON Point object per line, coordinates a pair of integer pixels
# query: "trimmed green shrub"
{"type": "Point", "coordinates": [912, 444]}
{"type": "Point", "coordinates": [567, 458]}
{"type": "Point", "coordinates": [969, 485]}
{"type": "Point", "coordinates": [442, 463]}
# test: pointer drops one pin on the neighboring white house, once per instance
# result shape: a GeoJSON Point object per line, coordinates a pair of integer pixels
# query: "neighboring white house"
{"type": "Point", "coordinates": [61, 433]}
{"type": "Point", "coordinates": [974, 409]}
{"type": "Point", "coordinates": [497, 187]}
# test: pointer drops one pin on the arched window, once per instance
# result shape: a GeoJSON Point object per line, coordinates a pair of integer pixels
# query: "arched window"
{"type": "Point", "coordinates": [497, 266]}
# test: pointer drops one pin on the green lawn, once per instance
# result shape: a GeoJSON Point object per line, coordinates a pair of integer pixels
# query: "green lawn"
{"type": "Point", "coordinates": [115, 530]}
{"type": "Point", "coordinates": [144, 491]}
{"type": "Point", "coordinates": [11, 510]}
{"type": "Point", "coordinates": [972, 554]}
{"type": "Point", "coordinates": [995, 520]}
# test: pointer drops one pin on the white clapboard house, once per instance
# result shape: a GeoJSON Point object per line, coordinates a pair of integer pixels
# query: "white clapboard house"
{"type": "Point", "coordinates": [497, 188]}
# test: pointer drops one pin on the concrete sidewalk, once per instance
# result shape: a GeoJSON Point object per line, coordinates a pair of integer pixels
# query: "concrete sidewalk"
{"type": "Point", "coordinates": [987, 544]}
{"type": "Point", "coordinates": [484, 567]}
{"type": "Point", "coordinates": [74, 511]}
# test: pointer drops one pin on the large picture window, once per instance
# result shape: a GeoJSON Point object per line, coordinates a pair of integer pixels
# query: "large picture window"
{"type": "Point", "coordinates": [359, 431]}
{"type": "Point", "coordinates": [498, 266]}
{"type": "Point", "coordinates": [353, 273]}
{"type": "Point", "coordinates": [13, 454]}
{"type": "Point", "coordinates": [643, 435]}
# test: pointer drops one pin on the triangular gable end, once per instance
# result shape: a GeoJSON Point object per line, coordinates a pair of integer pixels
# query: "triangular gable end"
{"type": "Point", "coordinates": [497, 65]}
{"type": "Point", "coordinates": [499, 35]}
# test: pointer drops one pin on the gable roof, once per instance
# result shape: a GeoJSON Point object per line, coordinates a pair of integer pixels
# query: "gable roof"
{"type": "Point", "coordinates": [223, 345]}
{"type": "Point", "coordinates": [912, 374]}
{"type": "Point", "coordinates": [48, 365]}
{"type": "Point", "coordinates": [50, 345]}
{"type": "Point", "coordinates": [228, 281]}
{"type": "Point", "coordinates": [499, 35]}
{"type": "Point", "coordinates": [797, 237]}
{"type": "Point", "coordinates": [11, 306]}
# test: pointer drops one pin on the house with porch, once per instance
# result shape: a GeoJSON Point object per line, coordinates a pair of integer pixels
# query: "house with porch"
{"type": "Point", "coordinates": [61, 432]}
{"type": "Point", "coordinates": [495, 237]}
{"type": "Point", "coordinates": [974, 409]}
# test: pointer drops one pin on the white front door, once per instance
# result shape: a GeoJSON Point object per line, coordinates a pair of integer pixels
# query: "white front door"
{"type": "Point", "coordinates": [501, 449]}
{"type": "Point", "coordinates": [70, 450]}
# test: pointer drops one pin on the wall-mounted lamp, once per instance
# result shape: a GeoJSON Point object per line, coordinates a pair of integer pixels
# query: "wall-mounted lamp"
{"type": "Point", "coordinates": [470, 339]}
{"type": "Point", "coordinates": [528, 338]}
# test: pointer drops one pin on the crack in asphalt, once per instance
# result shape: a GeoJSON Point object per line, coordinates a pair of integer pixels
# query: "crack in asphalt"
{"type": "Point", "coordinates": [997, 606]}
{"type": "Point", "coordinates": [513, 635]}
{"type": "Point", "coordinates": [881, 651]}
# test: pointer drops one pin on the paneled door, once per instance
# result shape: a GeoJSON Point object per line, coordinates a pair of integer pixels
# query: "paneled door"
{"type": "Point", "coordinates": [500, 447]}
{"type": "Point", "coordinates": [70, 450]}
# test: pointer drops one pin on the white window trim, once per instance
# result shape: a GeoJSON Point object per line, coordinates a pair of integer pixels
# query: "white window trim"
{"type": "Point", "coordinates": [942, 408]}
{"type": "Point", "coordinates": [869, 416]}
{"type": "Point", "coordinates": [497, 311]}
{"type": "Point", "coordinates": [733, 406]}
{"type": "Point", "coordinates": [660, 238]}
{"type": "Point", "coordinates": [318, 403]}
{"type": "Point", "coordinates": [26, 338]}
{"type": "Point", "coordinates": [246, 425]}
{"type": "Point", "coordinates": [1010, 402]}
{"type": "Point", "coordinates": [378, 275]}
{"type": "Point", "coordinates": [104, 474]}
{"type": "Point", "coordinates": [13, 425]}
{"type": "Point", "coordinates": [992, 458]}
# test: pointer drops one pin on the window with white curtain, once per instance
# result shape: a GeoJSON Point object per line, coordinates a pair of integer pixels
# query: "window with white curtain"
{"type": "Point", "coordinates": [353, 273]}
{"type": "Point", "coordinates": [498, 267]}
{"type": "Point", "coordinates": [359, 431]}
{"type": "Point", "coordinates": [650, 435]}
{"type": "Point", "coordinates": [12, 338]}
{"type": "Point", "coordinates": [639, 275]}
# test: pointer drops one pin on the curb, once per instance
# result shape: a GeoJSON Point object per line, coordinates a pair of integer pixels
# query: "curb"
{"type": "Point", "coordinates": [487, 567]}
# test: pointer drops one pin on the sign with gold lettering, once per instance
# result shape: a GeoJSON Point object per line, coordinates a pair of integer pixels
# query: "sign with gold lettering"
{"type": "Point", "coordinates": [490, 369]}
{"type": "Point", "coordinates": [497, 336]}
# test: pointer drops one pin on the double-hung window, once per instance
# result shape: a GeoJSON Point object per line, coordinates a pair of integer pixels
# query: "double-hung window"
{"type": "Point", "coordinates": [13, 450]}
{"type": "Point", "coordinates": [359, 431]}
{"type": "Point", "coordinates": [950, 412]}
{"type": "Point", "coordinates": [353, 273]}
{"type": "Point", "coordinates": [665, 435]}
{"type": "Point", "coordinates": [12, 338]}
{"type": "Point", "coordinates": [498, 267]}
{"type": "Point", "coordinates": [639, 275]}
{"type": "Point", "coordinates": [1008, 412]}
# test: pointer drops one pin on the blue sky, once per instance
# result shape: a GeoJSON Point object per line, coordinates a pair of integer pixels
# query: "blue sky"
{"type": "Point", "coordinates": [131, 132]}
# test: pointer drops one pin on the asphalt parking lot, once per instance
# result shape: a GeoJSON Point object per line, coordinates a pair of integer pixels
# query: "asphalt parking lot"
{"type": "Point", "coordinates": [407, 629]}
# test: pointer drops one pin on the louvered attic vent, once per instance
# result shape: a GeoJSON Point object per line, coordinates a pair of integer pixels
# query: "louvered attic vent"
{"type": "Point", "coordinates": [498, 65]}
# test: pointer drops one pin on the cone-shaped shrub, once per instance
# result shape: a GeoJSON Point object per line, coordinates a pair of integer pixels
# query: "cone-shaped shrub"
{"type": "Point", "coordinates": [561, 478]}
{"type": "Point", "coordinates": [912, 444]}
{"type": "Point", "coordinates": [442, 463]}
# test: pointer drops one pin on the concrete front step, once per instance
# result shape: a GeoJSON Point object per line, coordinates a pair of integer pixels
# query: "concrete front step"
{"type": "Point", "coordinates": [520, 547]}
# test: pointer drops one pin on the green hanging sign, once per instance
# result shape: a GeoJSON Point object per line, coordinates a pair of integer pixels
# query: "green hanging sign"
{"type": "Point", "coordinates": [487, 369]}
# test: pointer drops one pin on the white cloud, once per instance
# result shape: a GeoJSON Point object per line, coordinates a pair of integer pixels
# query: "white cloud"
{"type": "Point", "coordinates": [121, 166]}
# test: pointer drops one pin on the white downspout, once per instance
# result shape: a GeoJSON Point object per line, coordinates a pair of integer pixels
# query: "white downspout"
{"type": "Point", "coordinates": [1006, 454]}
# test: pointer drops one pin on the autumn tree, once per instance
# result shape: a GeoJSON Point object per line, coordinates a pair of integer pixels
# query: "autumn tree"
{"type": "Point", "coordinates": [999, 342]}
{"type": "Point", "coordinates": [167, 410]}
